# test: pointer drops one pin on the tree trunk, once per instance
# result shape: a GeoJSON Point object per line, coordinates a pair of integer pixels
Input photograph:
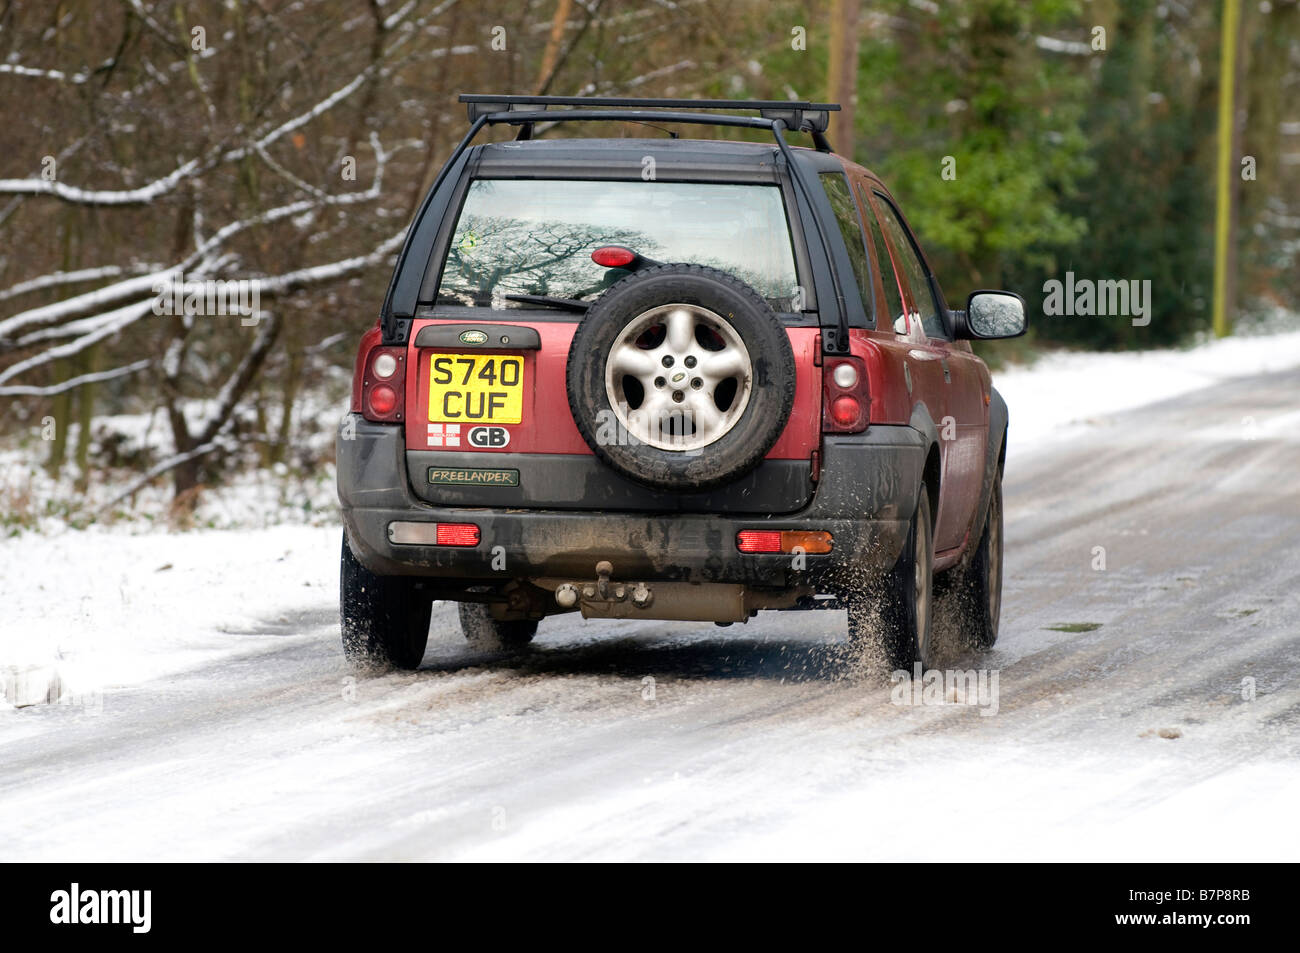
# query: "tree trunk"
{"type": "Point", "coordinates": [551, 55]}
{"type": "Point", "coordinates": [292, 377]}
{"type": "Point", "coordinates": [61, 411]}
{"type": "Point", "coordinates": [842, 76]}
{"type": "Point", "coordinates": [89, 363]}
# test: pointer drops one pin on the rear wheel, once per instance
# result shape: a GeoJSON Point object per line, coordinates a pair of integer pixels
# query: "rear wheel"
{"type": "Point", "coordinates": [384, 619]}
{"type": "Point", "coordinates": [487, 634]}
{"type": "Point", "coordinates": [895, 613]}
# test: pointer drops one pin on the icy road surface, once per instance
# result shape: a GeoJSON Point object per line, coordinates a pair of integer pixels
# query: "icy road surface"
{"type": "Point", "coordinates": [1147, 710]}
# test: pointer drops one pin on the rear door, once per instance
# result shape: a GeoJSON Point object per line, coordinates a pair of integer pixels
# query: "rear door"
{"type": "Point", "coordinates": [952, 371]}
{"type": "Point", "coordinates": [489, 398]}
{"type": "Point", "coordinates": [923, 364]}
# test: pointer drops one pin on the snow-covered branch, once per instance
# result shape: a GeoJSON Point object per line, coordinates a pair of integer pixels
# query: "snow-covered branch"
{"type": "Point", "coordinates": [317, 274]}
{"type": "Point", "coordinates": [79, 196]}
{"type": "Point", "coordinates": [97, 327]}
{"type": "Point", "coordinates": [238, 381]}
{"type": "Point", "coordinates": [89, 303]}
{"type": "Point", "coordinates": [108, 325]}
{"type": "Point", "coordinates": [158, 469]}
{"type": "Point", "coordinates": [57, 278]}
{"type": "Point", "coordinates": [15, 69]}
{"type": "Point", "coordinates": [142, 195]}
{"type": "Point", "coordinates": [28, 390]}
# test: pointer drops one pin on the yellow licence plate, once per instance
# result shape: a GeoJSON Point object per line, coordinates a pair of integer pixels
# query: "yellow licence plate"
{"type": "Point", "coordinates": [476, 388]}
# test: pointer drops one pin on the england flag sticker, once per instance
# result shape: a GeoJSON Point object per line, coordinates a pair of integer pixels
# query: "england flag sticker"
{"type": "Point", "coordinates": [444, 435]}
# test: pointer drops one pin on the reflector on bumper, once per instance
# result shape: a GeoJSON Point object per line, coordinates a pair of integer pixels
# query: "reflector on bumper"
{"type": "Point", "coordinates": [433, 534]}
{"type": "Point", "coordinates": [783, 541]}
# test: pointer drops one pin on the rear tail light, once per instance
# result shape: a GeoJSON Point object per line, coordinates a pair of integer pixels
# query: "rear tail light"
{"type": "Point", "coordinates": [383, 384]}
{"type": "Point", "coordinates": [383, 400]}
{"type": "Point", "coordinates": [845, 397]}
{"type": "Point", "coordinates": [758, 541]}
{"type": "Point", "coordinates": [783, 541]}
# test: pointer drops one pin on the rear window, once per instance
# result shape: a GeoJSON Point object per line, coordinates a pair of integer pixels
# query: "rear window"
{"type": "Point", "coordinates": [535, 237]}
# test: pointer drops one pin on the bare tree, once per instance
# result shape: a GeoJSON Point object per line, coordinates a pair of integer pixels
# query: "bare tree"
{"type": "Point", "coordinates": [149, 142]}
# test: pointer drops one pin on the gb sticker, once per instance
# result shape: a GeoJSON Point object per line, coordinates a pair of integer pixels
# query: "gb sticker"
{"type": "Point", "coordinates": [488, 438]}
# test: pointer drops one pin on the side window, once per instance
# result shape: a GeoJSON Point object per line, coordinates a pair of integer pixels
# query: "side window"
{"type": "Point", "coordinates": [846, 216]}
{"type": "Point", "coordinates": [910, 262]}
{"type": "Point", "coordinates": [893, 297]}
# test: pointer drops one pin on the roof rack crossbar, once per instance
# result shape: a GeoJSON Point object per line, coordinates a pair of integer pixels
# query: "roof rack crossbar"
{"type": "Point", "coordinates": [526, 117]}
{"type": "Point", "coordinates": [620, 102]}
{"type": "Point", "coordinates": [795, 115]}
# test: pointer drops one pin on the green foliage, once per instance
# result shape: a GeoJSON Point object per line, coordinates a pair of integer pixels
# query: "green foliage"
{"type": "Point", "coordinates": [1149, 199]}
{"type": "Point", "coordinates": [1081, 136]}
{"type": "Point", "coordinates": [979, 136]}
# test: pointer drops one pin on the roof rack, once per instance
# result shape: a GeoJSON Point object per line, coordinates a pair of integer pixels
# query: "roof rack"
{"type": "Point", "coordinates": [524, 111]}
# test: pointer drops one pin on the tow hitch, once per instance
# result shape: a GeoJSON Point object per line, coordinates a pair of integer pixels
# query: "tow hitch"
{"type": "Point", "coordinates": [639, 594]}
{"type": "Point", "coordinates": [608, 598]}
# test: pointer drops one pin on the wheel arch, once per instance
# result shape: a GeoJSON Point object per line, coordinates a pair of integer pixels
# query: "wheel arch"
{"type": "Point", "coordinates": [932, 471]}
{"type": "Point", "coordinates": [995, 458]}
{"type": "Point", "coordinates": [931, 474]}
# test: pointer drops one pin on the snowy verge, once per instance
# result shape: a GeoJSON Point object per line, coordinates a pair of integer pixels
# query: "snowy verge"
{"type": "Point", "coordinates": [92, 611]}
{"type": "Point", "coordinates": [1068, 389]}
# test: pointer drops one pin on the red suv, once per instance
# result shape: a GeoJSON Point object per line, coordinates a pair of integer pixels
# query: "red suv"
{"type": "Point", "coordinates": [667, 379]}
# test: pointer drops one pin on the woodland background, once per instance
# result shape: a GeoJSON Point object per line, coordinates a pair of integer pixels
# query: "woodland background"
{"type": "Point", "coordinates": [291, 142]}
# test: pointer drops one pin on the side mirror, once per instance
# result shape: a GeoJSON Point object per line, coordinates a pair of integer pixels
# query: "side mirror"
{"type": "Point", "coordinates": [993, 314]}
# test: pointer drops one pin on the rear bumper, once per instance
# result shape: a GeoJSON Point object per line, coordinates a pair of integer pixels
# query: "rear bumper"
{"type": "Point", "coordinates": [865, 499]}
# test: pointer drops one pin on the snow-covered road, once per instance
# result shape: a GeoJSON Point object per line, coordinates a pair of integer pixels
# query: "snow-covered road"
{"type": "Point", "coordinates": [1148, 709]}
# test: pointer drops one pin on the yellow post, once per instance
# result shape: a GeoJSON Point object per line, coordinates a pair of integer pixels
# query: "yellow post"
{"type": "Point", "coordinates": [1225, 191]}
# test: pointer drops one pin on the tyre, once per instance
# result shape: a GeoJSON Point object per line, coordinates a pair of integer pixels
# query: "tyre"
{"type": "Point", "coordinates": [975, 591]}
{"type": "Point", "coordinates": [487, 634]}
{"type": "Point", "coordinates": [681, 377]}
{"type": "Point", "coordinates": [384, 619]}
{"type": "Point", "coordinates": [895, 614]}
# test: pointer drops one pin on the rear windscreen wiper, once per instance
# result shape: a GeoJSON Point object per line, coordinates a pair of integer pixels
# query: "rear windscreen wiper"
{"type": "Point", "coordinates": [568, 304]}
